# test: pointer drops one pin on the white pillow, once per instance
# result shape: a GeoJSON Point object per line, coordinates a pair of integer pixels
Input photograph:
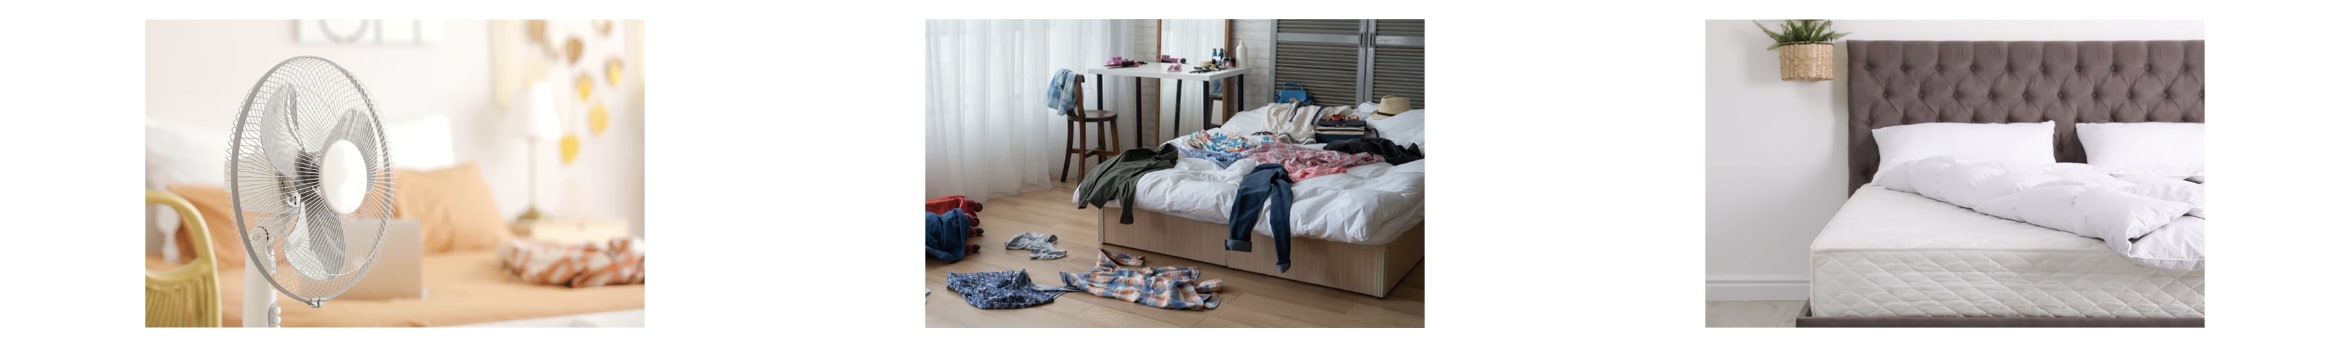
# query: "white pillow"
{"type": "Point", "coordinates": [2174, 150]}
{"type": "Point", "coordinates": [2007, 143]}
{"type": "Point", "coordinates": [1409, 127]}
{"type": "Point", "coordinates": [1244, 122]}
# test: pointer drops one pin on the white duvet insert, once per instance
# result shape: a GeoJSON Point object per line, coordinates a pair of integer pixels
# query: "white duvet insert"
{"type": "Point", "coordinates": [2133, 215]}
{"type": "Point", "coordinates": [1897, 254]}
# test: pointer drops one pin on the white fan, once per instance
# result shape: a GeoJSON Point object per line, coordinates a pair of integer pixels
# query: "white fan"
{"type": "Point", "coordinates": [308, 167]}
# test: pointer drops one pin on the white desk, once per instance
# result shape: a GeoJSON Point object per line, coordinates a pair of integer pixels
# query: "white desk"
{"type": "Point", "coordinates": [1160, 71]}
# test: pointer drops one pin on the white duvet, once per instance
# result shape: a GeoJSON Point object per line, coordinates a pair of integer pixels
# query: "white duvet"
{"type": "Point", "coordinates": [1369, 204]}
{"type": "Point", "coordinates": [2157, 222]}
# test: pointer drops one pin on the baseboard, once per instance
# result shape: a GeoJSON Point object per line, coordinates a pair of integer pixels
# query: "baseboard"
{"type": "Point", "coordinates": [1756, 287]}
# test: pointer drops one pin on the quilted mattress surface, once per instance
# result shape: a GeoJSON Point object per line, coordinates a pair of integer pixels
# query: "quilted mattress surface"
{"type": "Point", "coordinates": [1895, 254]}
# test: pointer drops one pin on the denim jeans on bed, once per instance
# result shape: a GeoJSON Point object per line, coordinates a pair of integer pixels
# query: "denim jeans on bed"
{"type": "Point", "coordinates": [945, 235]}
{"type": "Point", "coordinates": [1268, 181]}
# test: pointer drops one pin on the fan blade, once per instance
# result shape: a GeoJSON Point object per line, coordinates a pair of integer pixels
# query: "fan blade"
{"type": "Point", "coordinates": [278, 130]}
{"type": "Point", "coordinates": [317, 249]}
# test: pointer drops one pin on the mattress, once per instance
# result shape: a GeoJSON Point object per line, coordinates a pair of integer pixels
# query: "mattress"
{"type": "Point", "coordinates": [1896, 254]}
{"type": "Point", "coordinates": [1370, 204]}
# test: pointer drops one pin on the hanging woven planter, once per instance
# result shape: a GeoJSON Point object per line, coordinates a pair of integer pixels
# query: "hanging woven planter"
{"type": "Point", "coordinates": [1806, 62]}
{"type": "Point", "coordinates": [1804, 48]}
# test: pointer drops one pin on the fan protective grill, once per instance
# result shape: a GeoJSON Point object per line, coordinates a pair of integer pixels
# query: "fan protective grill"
{"type": "Point", "coordinates": [302, 106]}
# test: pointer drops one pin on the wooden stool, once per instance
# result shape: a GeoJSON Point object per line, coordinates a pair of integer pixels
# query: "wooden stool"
{"type": "Point", "coordinates": [1076, 133]}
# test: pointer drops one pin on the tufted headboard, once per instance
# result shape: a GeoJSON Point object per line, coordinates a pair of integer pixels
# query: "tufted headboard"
{"type": "Point", "coordinates": [1905, 82]}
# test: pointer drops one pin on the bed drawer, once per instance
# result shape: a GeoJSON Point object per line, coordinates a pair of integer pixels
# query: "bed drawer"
{"type": "Point", "coordinates": [1165, 234]}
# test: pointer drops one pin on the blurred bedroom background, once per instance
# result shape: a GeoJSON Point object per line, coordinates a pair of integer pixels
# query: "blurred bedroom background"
{"type": "Point", "coordinates": [500, 132]}
{"type": "Point", "coordinates": [451, 92]}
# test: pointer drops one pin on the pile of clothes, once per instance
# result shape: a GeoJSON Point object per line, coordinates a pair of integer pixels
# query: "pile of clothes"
{"type": "Point", "coordinates": [950, 224]}
{"type": "Point", "coordinates": [599, 263]}
{"type": "Point", "coordinates": [1123, 277]}
{"type": "Point", "coordinates": [1221, 149]}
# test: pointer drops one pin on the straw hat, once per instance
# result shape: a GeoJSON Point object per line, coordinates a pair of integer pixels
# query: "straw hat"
{"type": "Point", "coordinates": [1389, 106]}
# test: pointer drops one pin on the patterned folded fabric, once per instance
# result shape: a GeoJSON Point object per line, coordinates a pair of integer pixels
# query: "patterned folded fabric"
{"type": "Point", "coordinates": [1222, 159]}
{"type": "Point", "coordinates": [1122, 276]}
{"type": "Point", "coordinates": [1003, 289]}
{"type": "Point", "coordinates": [612, 262]}
{"type": "Point", "coordinates": [1234, 143]}
{"type": "Point", "coordinates": [1307, 163]}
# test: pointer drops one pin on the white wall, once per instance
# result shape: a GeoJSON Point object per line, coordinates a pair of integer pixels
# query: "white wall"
{"type": "Point", "coordinates": [1775, 159]}
{"type": "Point", "coordinates": [197, 73]}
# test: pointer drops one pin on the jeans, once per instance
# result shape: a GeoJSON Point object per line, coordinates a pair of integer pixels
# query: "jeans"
{"type": "Point", "coordinates": [1267, 181]}
{"type": "Point", "coordinates": [945, 235]}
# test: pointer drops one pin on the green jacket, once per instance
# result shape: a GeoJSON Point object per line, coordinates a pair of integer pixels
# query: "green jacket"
{"type": "Point", "coordinates": [1116, 179]}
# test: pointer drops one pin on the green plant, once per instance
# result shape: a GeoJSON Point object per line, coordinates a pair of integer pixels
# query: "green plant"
{"type": "Point", "coordinates": [1802, 31]}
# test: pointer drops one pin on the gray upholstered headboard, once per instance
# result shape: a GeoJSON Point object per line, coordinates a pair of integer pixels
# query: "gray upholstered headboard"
{"type": "Point", "coordinates": [1906, 82]}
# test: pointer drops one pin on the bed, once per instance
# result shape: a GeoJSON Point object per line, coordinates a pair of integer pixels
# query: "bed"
{"type": "Point", "coordinates": [1897, 259]}
{"type": "Point", "coordinates": [1361, 231]}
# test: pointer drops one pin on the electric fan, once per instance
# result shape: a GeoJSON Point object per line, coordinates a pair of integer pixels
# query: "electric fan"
{"type": "Point", "coordinates": [308, 168]}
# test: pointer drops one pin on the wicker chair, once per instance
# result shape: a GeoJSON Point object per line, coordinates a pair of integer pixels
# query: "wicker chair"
{"type": "Point", "coordinates": [187, 296]}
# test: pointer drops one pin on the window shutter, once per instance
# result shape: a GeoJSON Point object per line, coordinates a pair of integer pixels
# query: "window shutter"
{"type": "Point", "coordinates": [1345, 61]}
{"type": "Point", "coordinates": [1399, 60]}
{"type": "Point", "coordinates": [1322, 54]}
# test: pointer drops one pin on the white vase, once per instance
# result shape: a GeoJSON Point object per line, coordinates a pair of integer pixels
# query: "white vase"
{"type": "Point", "coordinates": [1241, 54]}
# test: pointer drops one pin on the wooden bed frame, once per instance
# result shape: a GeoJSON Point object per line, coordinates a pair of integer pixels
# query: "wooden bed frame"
{"type": "Point", "coordinates": [1367, 269]}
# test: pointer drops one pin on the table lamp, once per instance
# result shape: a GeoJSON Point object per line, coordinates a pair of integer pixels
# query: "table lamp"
{"type": "Point", "coordinates": [544, 121]}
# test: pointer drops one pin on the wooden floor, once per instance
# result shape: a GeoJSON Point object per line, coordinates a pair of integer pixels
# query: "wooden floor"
{"type": "Point", "coordinates": [1749, 313]}
{"type": "Point", "coordinates": [1249, 299]}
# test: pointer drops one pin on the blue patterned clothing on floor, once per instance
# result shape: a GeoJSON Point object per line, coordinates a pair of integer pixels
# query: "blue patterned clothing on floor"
{"type": "Point", "coordinates": [1123, 277]}
{"type": "Point", "coordinates": [1003, 289]}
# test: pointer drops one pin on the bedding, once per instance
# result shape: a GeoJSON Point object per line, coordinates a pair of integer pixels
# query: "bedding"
{"type": "Point", "coordinates": [2016, 143]}
{"type": "Point", "coordinates": [1407, 128]}
{"type": "Point", "coordinates": [1897, 254]}
{"type": "Point", "coordinates": [2167, 149]}
{"type": "Point", "coordinates": [1369, 204]}
{"type": "Point", "coordinates": [2135, 219]}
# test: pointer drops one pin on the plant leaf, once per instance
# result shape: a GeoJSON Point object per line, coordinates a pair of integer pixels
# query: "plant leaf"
{"type": "Point", "coordinates": [1772, 35]}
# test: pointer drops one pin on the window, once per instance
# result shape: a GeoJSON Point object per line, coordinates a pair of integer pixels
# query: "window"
{"type": "Point", "coordinates": [1342, 61]}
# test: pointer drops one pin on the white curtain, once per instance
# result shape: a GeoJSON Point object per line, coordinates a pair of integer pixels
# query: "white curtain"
{"type": "Point", "coordinates": [1190, 39]}
{"type": "Point", "coordinates": [988, 131]}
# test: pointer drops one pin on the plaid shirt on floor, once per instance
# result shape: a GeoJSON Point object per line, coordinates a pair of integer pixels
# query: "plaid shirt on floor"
{"type": "Point", "coordinates": [1307, 163]}
{"type": "Point", "coordinates": [1122, 276]}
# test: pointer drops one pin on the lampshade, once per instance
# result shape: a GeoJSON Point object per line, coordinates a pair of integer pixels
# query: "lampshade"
{"type": "Point", "coordinates": [543, 115]}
